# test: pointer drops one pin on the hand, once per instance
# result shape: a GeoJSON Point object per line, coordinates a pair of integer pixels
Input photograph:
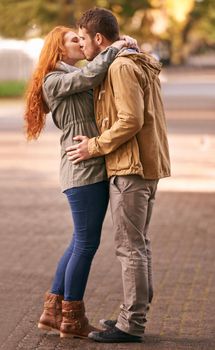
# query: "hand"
{"type": "Point", "coordinates": [78, 152]}
{"type": "Point", "coordinates": [125, 41]}
{"type": "Point", "coordinates": [131, 42]}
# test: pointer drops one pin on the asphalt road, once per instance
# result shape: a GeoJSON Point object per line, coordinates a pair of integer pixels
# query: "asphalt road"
{"type": "Point", "coordinates": [35, 227]}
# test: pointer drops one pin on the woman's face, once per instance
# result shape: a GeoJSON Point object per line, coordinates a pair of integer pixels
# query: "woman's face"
{"type": "Point", "coordinates": [73, 49]}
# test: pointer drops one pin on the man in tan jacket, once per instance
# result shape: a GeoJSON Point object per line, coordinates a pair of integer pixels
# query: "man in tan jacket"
{"type": "Point", "coordinates": [130, 118]}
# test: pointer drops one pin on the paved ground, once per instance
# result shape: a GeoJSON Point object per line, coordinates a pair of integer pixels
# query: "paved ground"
{"type": "Point", "coordinates": [36, 227]}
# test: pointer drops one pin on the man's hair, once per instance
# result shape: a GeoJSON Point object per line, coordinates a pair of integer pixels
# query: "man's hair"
{"type": "Point", "coordinates": [100, 20]}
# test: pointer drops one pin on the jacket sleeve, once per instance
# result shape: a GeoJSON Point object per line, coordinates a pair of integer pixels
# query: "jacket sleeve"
{"type": "Point", "coordinates": [63, 84]}
{"type": "Point", "coordinates": [129, 101]}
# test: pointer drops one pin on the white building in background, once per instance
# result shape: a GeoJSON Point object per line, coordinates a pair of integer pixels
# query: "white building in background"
{"type": "Point", "coordinates": [18, 57]}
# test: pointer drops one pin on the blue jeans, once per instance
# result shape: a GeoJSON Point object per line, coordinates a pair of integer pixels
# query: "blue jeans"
{"type": "Point", "coordinates": [88, 205]}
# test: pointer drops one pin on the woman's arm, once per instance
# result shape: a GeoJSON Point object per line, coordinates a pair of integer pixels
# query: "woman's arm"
{"type": "Point", "coordinates": [61, 84]}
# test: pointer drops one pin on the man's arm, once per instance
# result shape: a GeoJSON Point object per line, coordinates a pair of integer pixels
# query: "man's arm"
{"type": "Point", "coordinates": [129, 102]}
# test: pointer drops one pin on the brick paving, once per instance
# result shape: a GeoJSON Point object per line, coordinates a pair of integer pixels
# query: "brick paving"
{"type": "Point", "coordinates": [36, 227]}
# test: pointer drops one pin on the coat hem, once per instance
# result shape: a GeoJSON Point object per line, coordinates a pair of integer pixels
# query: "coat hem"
{"type": "Point", "coordinates": [83, 183]}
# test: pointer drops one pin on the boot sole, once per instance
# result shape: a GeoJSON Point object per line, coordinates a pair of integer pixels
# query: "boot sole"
{"type": "Point", "coordinates": [44, 327]}
{"type": "Point", "coordinates": [68, 335]}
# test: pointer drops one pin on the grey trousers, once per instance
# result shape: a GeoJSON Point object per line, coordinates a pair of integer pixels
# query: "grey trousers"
{"type": "Point", "coordinates": [131, 200]}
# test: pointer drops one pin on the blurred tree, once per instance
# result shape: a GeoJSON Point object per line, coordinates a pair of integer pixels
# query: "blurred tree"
{"type": "Point", "coordinates": [23, 18]}
{"type": "Point", "coordinates": [178, 24]}
{"type": "Point", "coordinates": [177, 13]}
{"type": "Point", "coordinates": [19, 19]}
{"type": "Point", "coordinates": [197, 27]}
{"type": "Point", "coordinates": [201, 23]}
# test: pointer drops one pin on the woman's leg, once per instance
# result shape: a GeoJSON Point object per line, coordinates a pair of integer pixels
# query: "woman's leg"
{"type": "Point", "coordinates": [58, 282]}
{"type": "Point", "coordinates": [88, 205]}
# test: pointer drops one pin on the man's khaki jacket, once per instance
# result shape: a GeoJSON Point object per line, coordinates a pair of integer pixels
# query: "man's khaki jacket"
{"type": "Point", "coordinates": [130, 118]}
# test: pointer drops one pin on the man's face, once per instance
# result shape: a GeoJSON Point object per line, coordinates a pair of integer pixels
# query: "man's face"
{"type": "Point", "coordinates": [88, 45]}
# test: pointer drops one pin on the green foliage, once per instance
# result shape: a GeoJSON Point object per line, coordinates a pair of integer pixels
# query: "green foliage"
{"type": "Point", "coordinates": [201, 20]}
{"type": "Point", "coordinates": [22, 18]}
{"type": "Point", "coordinates": [125, 8]}
{"type": "Point", "coordinates": [12, 88]}
{"type": "Point", "coordinates": [27, 18]}
{"type": "Point", "coordinates": [19, 19]}
{"type": "Point", "coordinates": [15, 17]}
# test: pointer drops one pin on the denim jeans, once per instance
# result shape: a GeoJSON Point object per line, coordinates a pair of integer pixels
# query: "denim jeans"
{"type": "Point", "coordinates": [88, 206]}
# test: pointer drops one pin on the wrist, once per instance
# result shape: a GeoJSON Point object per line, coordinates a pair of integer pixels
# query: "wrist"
{"type": "Point", "coordinates": [91, 146]}
{"type": "Point", "coordinates": [112, 49]}
{"type": "Point", "coordinates": [118, 44]}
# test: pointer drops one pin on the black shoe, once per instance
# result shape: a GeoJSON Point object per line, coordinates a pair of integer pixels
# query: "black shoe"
{"type": "Point", "coordinates": [107, 324]}
{"type": "Point", "coordinates": [114, 335]}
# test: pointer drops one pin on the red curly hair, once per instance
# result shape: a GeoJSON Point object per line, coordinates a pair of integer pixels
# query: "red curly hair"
{"type": "Point", "coordinates": [36, 108]}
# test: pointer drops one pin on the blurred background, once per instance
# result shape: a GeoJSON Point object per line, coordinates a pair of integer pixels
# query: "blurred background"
{"type": "Point", "coordinates": [35, 223]}
{"type": "Point", "coordinates": [176, 32]}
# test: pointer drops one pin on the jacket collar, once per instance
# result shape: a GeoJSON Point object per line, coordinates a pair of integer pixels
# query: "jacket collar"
{"type": "Point", "coordinates": [143, 58]}
{"type": "Point", "coordinates": [62, 66]}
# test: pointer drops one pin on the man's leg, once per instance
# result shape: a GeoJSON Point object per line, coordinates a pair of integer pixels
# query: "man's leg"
{"type": "Point", "coordinates": [148, 243]}
{"type": "Point", "coordinates": [131, 199]}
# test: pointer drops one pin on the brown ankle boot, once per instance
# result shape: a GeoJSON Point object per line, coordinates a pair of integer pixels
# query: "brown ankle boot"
{"type": "Point", "coordinates": [52, 314]}
{"type": "Point", "coordinates": [75, 323]}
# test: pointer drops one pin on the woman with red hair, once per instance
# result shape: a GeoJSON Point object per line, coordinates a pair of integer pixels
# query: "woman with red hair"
{"type": "Point", "coordinates": [57, 86]}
